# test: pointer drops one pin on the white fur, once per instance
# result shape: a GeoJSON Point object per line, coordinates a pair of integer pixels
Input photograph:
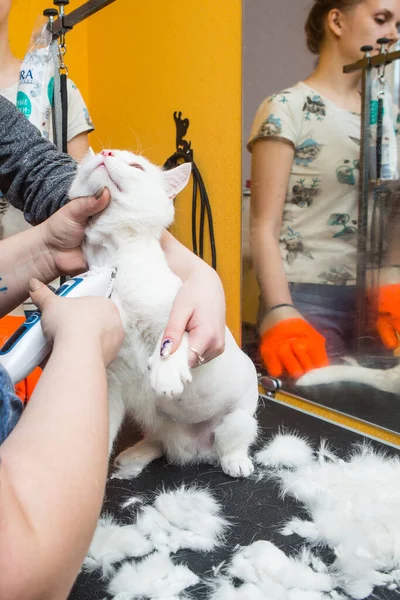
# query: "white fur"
{"type": "Point", "coordinates": [194, 511]}
{"type": "Point", "coordinates": [268, 573]}
{"type": "Point", "coordinates": [184, 518]}
{"type": "Point", "coordinates": [305, 529]}
{"type": "Point", "coordinates": [387, 380]}
{"type": "Point", "coordinates": [205, 414]}
{"type": "Point", "coordinates": [288, 450]}
{"type": "Point", "coordinates": [132, 501]}
{"type": "Point", "coordinates": [263, 561]}
{"type": "Point", "coordinates": [113, 542]}
{"type": "Point", "coordinates": [354, 507]}
{"type": "Point", "coordinates": [155, 576]}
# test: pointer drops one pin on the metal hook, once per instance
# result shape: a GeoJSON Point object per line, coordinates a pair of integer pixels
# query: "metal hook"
{"type": "Point", "coordinates": [62, 49]}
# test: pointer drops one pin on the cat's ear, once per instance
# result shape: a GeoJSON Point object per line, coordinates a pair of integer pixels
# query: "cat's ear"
{"type": "Point", "coordinates": [176, 179]}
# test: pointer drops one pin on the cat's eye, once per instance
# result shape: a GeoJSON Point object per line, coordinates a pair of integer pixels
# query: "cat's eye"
{"type": "Point", "coordinates": [136, 166]}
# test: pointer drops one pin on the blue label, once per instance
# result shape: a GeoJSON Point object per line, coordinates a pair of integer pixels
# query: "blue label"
{"type": "Point", "coordinates": [373, 118]}
{"type": "Point", "coordinates": [50, 90]}
{"type": "Point", "coordinates": [24, 104]}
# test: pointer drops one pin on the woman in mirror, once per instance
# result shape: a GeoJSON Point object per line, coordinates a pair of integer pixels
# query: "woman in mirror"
{"type": "Point", "coordinates": [305, 144]}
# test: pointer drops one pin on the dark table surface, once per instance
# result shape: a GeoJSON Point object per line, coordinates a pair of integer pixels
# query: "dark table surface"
{"type": "Point", "coordinates": [355, 399]}
{"type": "Point", "coordinates": [255, 507]}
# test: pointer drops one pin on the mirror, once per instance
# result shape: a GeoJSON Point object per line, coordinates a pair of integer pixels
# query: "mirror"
{"type": "Point", "coordinates": [334, 284]}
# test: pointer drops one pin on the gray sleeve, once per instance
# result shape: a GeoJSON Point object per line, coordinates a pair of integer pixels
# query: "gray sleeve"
{"type": "Point", "coordinates": [34, 176]}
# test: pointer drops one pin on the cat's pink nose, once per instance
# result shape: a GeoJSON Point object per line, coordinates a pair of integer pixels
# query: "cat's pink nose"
{"type": "Point", "coordinates": [107, 153]}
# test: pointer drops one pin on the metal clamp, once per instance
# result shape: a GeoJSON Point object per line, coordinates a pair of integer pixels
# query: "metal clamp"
{"type": "Point", "coordinates": [62, 49]}
{"type": "Point", "coordinates": [270, 384]}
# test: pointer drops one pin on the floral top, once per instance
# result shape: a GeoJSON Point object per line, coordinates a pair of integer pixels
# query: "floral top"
{"type": "Point", "coordinates": [318, 239]}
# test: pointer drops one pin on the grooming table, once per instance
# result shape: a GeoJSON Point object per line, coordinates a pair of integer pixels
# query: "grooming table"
{"type": "Point", "coordinates": [256, 509]}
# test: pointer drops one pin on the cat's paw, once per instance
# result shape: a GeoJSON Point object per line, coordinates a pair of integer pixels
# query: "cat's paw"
{"type": "Point", "coordinates": [128, 465]}
{"type": "Point", "coordinates": [237, 465]}
{"type": "Point", "coordinates": [168, 376]}
{"type": "Point", "coordinates": [129, 471]}
{"type": "Point", "coordinates": [131, 462]}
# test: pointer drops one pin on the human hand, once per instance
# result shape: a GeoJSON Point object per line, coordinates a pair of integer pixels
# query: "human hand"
{"type": "Point", "coordinates": [92, 319]}
{"type": "Point", "coordinates": [388, 322]}
{"type": "Point", "coordinates": [199, 309]}
{"type": "Point", "coordinates": [62, 233]}
{"type": "Point", "coordinates": [292, 345]}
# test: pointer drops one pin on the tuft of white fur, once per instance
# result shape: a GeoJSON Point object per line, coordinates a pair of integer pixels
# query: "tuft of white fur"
{"type": "Point", "coordinates": [305, 529]}
{"type": "Point", "coordinates": [262, 561]}
{"type": "Point", "coordinates": [194, 511]}
{"type": "Point", "coordinates": [112, 543]}
{"type": "Point", "coordinates": [132, 501]}
{"type": "Point", "coordinates": [354, 509]}
{"type": "Point", "coordinates": [266, 572]}
{"type": "Point", "coordinates": [285, 450]}
{"type": "Point", "coordinates": [156, 576]}
{"type": "Point", "coordinates": [183, 518]}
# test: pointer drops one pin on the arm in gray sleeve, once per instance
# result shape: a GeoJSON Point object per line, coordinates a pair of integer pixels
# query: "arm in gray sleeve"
{"type": "Point", "coordinates": [34, 176]}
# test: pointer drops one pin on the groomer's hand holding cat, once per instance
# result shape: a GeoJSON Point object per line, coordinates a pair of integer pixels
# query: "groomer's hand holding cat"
{"type": "Point", "coordinates": [64, 231]}
{"type": "Point", "coordinates": [199, 306]}
{"type": "Point", "coordinates": [199, 309]}
{"type": "Point", "coordinates": [46, 251]}
{"type": "Point", "coordinates": [96, 319]}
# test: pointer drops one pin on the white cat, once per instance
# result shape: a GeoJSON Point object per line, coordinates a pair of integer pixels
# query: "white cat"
{"type": "Point", "coordinates": [200, 415]}
{"type": "Point", "coordinates": [387, 380]}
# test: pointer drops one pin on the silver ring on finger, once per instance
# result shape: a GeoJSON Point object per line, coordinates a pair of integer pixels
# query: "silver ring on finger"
{"type": "Point", "coordinates": [200, 359]}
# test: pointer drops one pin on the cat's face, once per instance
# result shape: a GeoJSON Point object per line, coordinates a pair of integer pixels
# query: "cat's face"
{"type": "Point", "coordinates": [141, 193]}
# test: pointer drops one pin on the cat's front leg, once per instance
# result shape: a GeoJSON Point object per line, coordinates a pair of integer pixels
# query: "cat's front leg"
{"type": "Point", "coordinates": [131, 462]}
{"type": "Point", "coordinates": [169, 375]}
{"type": "Point", "coordinates": [233, 438]}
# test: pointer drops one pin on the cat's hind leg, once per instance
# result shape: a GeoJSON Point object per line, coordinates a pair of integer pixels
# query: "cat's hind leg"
{"type": "Point", "coordinates": [131, 462]}
{"type": "Point", "coordinates": [233, 437]}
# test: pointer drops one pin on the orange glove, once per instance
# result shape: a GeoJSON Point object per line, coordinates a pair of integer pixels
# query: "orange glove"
{"type": "Point", "coordinates": [293, 345]}
{"type": "Point", "coordinates": [24, 388]}
{"type": "Point", "coordinates": [388, 323]}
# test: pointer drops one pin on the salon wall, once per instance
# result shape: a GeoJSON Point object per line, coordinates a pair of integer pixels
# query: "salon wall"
{"type": "Point", "coordinates": [149, 59]}
{"type": "Point", "coordinates": [158, 57]}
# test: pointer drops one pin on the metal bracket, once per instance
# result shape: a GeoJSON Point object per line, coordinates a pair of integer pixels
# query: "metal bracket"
{"type": "Point", "coordinates": [66, 22]}
{"type": "Point", "coordinates": [182, 125]}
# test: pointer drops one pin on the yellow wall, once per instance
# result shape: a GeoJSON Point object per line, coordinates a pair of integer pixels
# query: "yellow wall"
{"type": "Point", "coordinates": [136, 63]}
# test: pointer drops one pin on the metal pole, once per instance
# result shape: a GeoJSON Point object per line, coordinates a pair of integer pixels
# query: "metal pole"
{"type": "Point", "coordinates": [363, 195]}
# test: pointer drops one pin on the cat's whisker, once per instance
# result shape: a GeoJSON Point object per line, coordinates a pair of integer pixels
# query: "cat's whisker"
{"type": "Point", "coordinates": [99, 142]}
{"type": "Point", "coordinates": [139, 148]}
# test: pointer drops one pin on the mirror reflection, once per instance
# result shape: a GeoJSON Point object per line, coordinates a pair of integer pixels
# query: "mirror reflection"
{"type": "Point", "coordinates": [321, 258]}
